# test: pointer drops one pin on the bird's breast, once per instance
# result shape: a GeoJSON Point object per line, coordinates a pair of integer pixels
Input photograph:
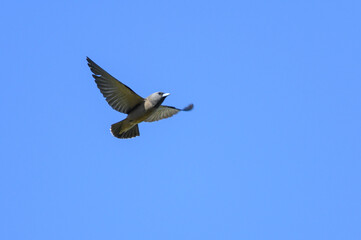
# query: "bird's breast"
{"type": "Point", "coordinates": [140, 113]}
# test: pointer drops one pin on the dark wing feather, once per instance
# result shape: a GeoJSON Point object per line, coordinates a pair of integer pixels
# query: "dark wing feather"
{"type": "Point", "coordinates": [166, 112]}
{"type": "Point", "coordinates": [119, 96]}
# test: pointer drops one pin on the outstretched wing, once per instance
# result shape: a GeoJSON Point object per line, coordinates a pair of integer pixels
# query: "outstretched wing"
{"type": "Point", "coordinates": [119, 96]}
{"type": "Point", "coordinates": [166, 112]}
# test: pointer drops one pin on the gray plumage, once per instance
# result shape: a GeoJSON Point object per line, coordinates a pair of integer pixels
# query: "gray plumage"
{"type": "Point", "coordinates": [123, 99]}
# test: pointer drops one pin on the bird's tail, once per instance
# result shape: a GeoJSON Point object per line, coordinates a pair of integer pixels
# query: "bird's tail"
{"type": "Point", "coordinates": [119, 131]}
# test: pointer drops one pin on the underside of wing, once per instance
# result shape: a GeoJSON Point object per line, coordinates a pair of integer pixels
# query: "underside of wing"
{"type": "Point", "coordinates": [165, 112]}
{"type": "Point", "coordinates": [119, 96]}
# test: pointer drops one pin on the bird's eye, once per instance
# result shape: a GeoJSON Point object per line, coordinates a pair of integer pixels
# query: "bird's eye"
{"type": "Point", "coordinates": [160, 93]}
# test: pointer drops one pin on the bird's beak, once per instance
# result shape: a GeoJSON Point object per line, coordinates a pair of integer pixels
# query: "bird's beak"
{"type": "Point", "coordinates": [165, 94]}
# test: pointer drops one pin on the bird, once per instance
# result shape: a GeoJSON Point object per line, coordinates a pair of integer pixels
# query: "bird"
{"type": "Point", "coordinates": [123, 99]}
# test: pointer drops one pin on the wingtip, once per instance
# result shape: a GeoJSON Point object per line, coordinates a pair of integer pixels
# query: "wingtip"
{"type": "Point", "coordinates": [88, 59]}
{"type": "Point", "coordinates": [188, 108]}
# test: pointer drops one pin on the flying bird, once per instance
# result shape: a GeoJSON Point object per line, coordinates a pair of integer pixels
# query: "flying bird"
{"type": "Point", "coordinates": [123, 99]}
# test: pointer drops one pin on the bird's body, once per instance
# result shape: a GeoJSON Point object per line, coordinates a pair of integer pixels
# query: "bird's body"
{"type": "Point", "coordinates": [140, 113]}
{"type": "Point", "coordinates": [123, 99]}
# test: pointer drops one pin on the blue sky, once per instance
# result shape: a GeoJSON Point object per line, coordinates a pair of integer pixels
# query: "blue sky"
{"type": "Point", "coordinates": [270, 151]}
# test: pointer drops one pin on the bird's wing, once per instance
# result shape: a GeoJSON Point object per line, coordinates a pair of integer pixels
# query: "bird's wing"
{"type": "Point", "coordinates": [166, 112]}
{"type": "Point", "coordinates": [118, 95]}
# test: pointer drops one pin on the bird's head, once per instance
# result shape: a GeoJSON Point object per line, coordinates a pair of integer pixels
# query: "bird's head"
{"type": "Point", "coordinates": [157, 98]}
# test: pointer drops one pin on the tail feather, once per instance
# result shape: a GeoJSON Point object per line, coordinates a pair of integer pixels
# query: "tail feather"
{"type": "Point", "coordinates": [117, 131]}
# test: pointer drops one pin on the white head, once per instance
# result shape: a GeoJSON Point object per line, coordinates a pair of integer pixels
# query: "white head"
{"type": "Point", "coordinates": [157, 98]}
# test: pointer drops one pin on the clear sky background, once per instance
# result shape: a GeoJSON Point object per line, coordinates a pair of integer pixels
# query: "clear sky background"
{"type": "Point", "coordinates": [270, 151]}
